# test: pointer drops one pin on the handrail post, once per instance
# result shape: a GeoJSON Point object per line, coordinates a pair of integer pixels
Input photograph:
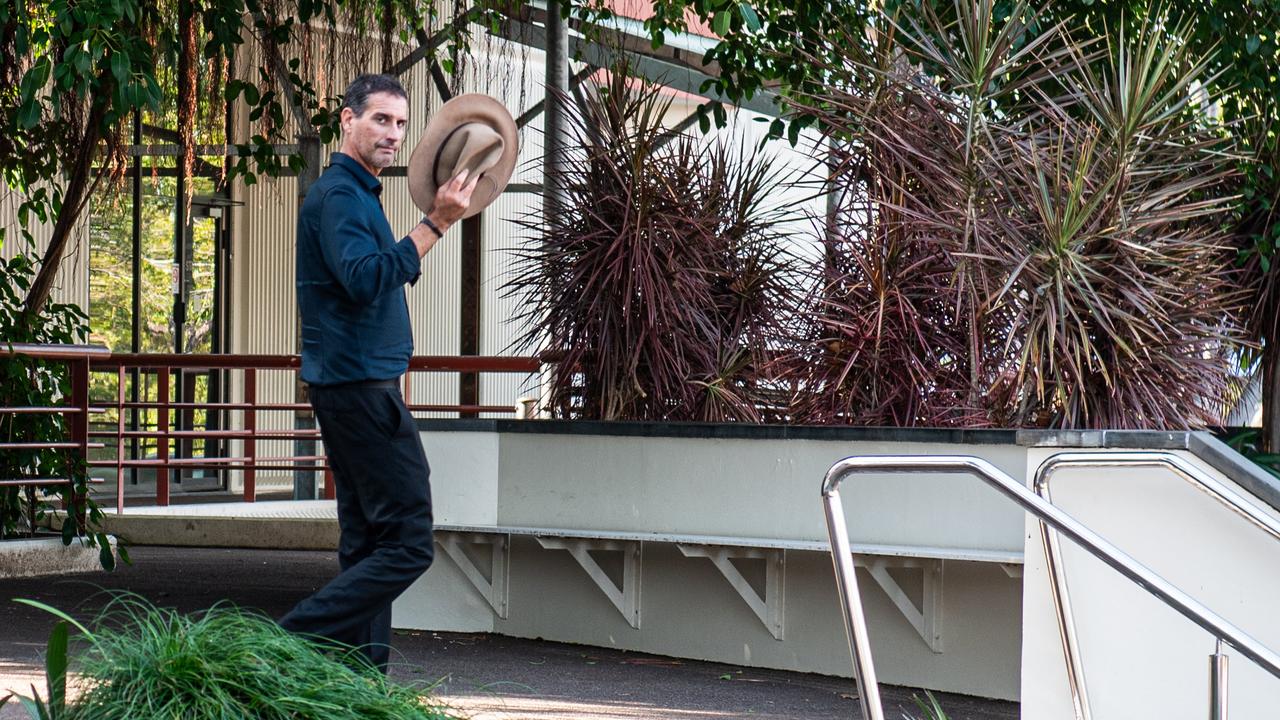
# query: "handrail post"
{"type": "Point", "coordinates": [855, 619]}
{"type": "Point", "coordinates": [250, 428]}
{"type": "Point", "coordinates": [162, 442]}
{"type": "Point", "coordinates": [79, 369]}
{"type": "Point", "coordinates": [1218, 684]}
{"type": "Point", "coordinates": [120, 375]}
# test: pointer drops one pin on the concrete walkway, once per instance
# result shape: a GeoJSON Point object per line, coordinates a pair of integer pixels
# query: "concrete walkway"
{"type": "Point", "coordinates": [485, 677]}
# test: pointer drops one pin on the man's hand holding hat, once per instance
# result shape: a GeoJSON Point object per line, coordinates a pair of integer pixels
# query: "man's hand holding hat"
{"type": "Point", "coordinates": [462, 163]}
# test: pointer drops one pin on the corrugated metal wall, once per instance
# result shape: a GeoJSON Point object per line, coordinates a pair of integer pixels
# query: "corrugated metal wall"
{"type": "Point", "coordinates": [72, 283]}
{"type": "Point", "coordinates": [264, 307]}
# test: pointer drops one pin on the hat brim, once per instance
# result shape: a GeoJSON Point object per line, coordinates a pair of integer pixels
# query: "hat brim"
{"type": "Point", "coordinates": [472, 107]}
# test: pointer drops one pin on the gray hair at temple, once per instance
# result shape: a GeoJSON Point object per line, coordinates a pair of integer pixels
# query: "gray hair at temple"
{"type": "Point", "coordinates": [357, 95]}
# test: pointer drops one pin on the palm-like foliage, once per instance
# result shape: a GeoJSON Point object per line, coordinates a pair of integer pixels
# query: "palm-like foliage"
{"type": "Point", "coordinates": [664, 285]}
{"type": "Point", "coordinates": [1035, 226]}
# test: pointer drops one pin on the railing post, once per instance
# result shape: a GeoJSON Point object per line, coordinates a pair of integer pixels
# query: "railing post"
{"type": "Point", "coordinates": [120, 439]}
{"type": "Point", "coordinates": [79, 368]}
{"type": "Point", "coordinates": [162, 442]}
{"type": "Point", "coordinates": [330, 491]}
{"type": "Point", "coordinates": [855, 619]}
{"type": "Point", "coordinates": [250, 428]}
{"type": "Point", "coordinates": [1218, 684]}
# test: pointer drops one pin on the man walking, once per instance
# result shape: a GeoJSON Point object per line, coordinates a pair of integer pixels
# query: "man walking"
{"type": "Point", "coordinates": [356, 343]}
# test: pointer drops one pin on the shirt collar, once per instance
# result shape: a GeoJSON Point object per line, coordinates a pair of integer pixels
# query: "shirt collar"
{"type": "Point", "coordinates": [366, 178]}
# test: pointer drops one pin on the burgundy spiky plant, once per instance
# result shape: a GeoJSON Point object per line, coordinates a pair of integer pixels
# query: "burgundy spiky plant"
{"type": "Point", "coordinates": [665, 283]}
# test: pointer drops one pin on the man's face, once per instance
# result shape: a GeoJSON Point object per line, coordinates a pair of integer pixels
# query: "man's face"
{"type": "Point", "coordinates": [374, 137]}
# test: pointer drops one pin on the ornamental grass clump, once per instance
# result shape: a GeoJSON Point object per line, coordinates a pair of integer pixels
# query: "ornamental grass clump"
{"type": "Point", "coordinates": [223, 663]}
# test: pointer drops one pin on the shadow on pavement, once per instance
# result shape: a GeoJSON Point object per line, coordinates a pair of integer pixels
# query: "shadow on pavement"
{"type": "Point", "coordinates": [485, 677]}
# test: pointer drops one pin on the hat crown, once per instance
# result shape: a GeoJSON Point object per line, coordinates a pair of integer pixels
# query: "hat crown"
{"type": "Point", "coordinates": [472, 146]}
{"type": "Point", "coordinates": [471, 132]}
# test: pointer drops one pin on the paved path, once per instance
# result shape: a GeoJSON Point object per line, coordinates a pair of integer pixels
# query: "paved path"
{"type": "Point", "coordinates": [485, 677]}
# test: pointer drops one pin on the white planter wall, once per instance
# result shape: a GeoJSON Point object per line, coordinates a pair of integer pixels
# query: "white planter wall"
{"type": "Point", "coordinates": [1142, 658]}
{"type": "Point", "coordinates": [998, 634]}
{"type": "Point", "coordinates": [738, 488]}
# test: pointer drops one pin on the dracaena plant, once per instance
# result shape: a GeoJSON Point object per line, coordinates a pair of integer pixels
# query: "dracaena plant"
{"type": "Point", "coordinates": [663, 285]}
{"type": "Point", "coordinates": [1033, 229]}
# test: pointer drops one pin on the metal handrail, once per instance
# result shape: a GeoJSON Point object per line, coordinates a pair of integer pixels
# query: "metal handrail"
{"type": "Point", "coordinates": [1053, 555]}
{"type": "Point", "coordinates": [1139, 574]}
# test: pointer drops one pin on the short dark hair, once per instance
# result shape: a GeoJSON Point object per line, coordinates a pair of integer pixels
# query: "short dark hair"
{"type": "Point", "coordinates": [357, 95]}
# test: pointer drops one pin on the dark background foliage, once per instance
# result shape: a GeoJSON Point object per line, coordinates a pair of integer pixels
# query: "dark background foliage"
{"type": "Point", "coordinates": [26, 382]}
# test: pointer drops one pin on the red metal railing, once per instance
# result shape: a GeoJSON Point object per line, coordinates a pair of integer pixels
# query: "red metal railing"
{"type": "Point", "coordinates": [85, 360]}
{"type": "Point", "coordinates": [74, 408]}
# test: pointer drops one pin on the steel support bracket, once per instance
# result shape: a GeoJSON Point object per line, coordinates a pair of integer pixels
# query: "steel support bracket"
{"type": "Point", "coordinates": [1013, 570]}
{"type": "Point", "coordinates": [625, 597]}
{"type": "Point", "coordinates": [493, 588]}
{"type": "Point", "coordinates": [769, 607]}
{"type": "Point", "coordinates": [925, 617]}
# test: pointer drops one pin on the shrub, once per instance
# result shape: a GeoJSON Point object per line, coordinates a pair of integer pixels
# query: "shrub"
{"type": "Point", "coordinates": [664, 282]}
{"type": "Point", "coordinates": [222, 664]}
{"type": "Point", "coordinates": [1034, 228]}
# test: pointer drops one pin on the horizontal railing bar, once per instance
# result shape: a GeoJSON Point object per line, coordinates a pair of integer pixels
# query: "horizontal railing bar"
{"type": "Point", "coordinates": [49, 446]}
{"type": "Point", "coordinates": [70, 352]}
{"type": "Point", "coordinates": [211, 461]}
{"type": "Point", "coordinates": [42, 481]}
{"type": "Point", "coordinates": [472, 363]}
{"type": "Point", "coordinates": [438, 363]}
{"type": "Point", "coordinates": [307, 406]}
{"type": "Point", "coordinates": [232, 467]}
{"type": "Point", "coordinates": [230, 434]}
{"type": "Point", "coordinates": [216, 406]}
{"type": "Point", "coordinates": [49, 410]}
{"type": "Point", "coordinates": [196, 361]}
{"type": "Point", "coordinates": [460, 408]}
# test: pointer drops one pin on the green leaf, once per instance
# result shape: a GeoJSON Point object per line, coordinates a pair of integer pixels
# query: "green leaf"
{"type": "Point", "coordinates": [749, 17]}
{"type": "Point", "coordinates": [35, 708]}
{"type": "Point", "coordinates": [106, 557]}
{"type": "Point", "coordinates": [720, 23]}
{"type": "Point", "coordinates": [55, 663]}
{"type": "Point", "coordinates": [120, 67]}
{"type": "Point", "coordinates": [1252, 44]}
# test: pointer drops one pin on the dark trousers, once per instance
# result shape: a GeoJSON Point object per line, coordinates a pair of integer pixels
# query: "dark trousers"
{"type": "Point", "coordinates": [384, 514]}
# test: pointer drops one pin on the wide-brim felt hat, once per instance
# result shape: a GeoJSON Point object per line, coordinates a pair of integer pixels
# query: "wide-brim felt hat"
{"type": "Point", "coordinates": [472, 131]}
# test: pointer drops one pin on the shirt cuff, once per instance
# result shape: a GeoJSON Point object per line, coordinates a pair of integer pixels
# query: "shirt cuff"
{"type": "Point", "coordinates": [410, 261]}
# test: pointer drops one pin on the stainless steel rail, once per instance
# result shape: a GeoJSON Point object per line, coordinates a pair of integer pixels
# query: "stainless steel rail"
{"type": "Point", "coordinates": [1215, 489]}
{"type": "Point", "coordinates": [855, 618]}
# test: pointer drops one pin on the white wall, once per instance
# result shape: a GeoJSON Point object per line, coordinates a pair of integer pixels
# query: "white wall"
{"type": "Point", "coordinates": [746, 488]}
{"type": "Point", "coordinates": [1142, 659]}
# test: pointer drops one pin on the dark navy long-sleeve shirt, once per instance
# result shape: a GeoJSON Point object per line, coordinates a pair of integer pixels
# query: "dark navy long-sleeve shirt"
{"type": "Point", "coordinates": [351, 273]}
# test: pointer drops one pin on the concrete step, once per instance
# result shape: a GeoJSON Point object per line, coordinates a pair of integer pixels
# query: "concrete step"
{"type": "Point", "coordinates": [280, 525]}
